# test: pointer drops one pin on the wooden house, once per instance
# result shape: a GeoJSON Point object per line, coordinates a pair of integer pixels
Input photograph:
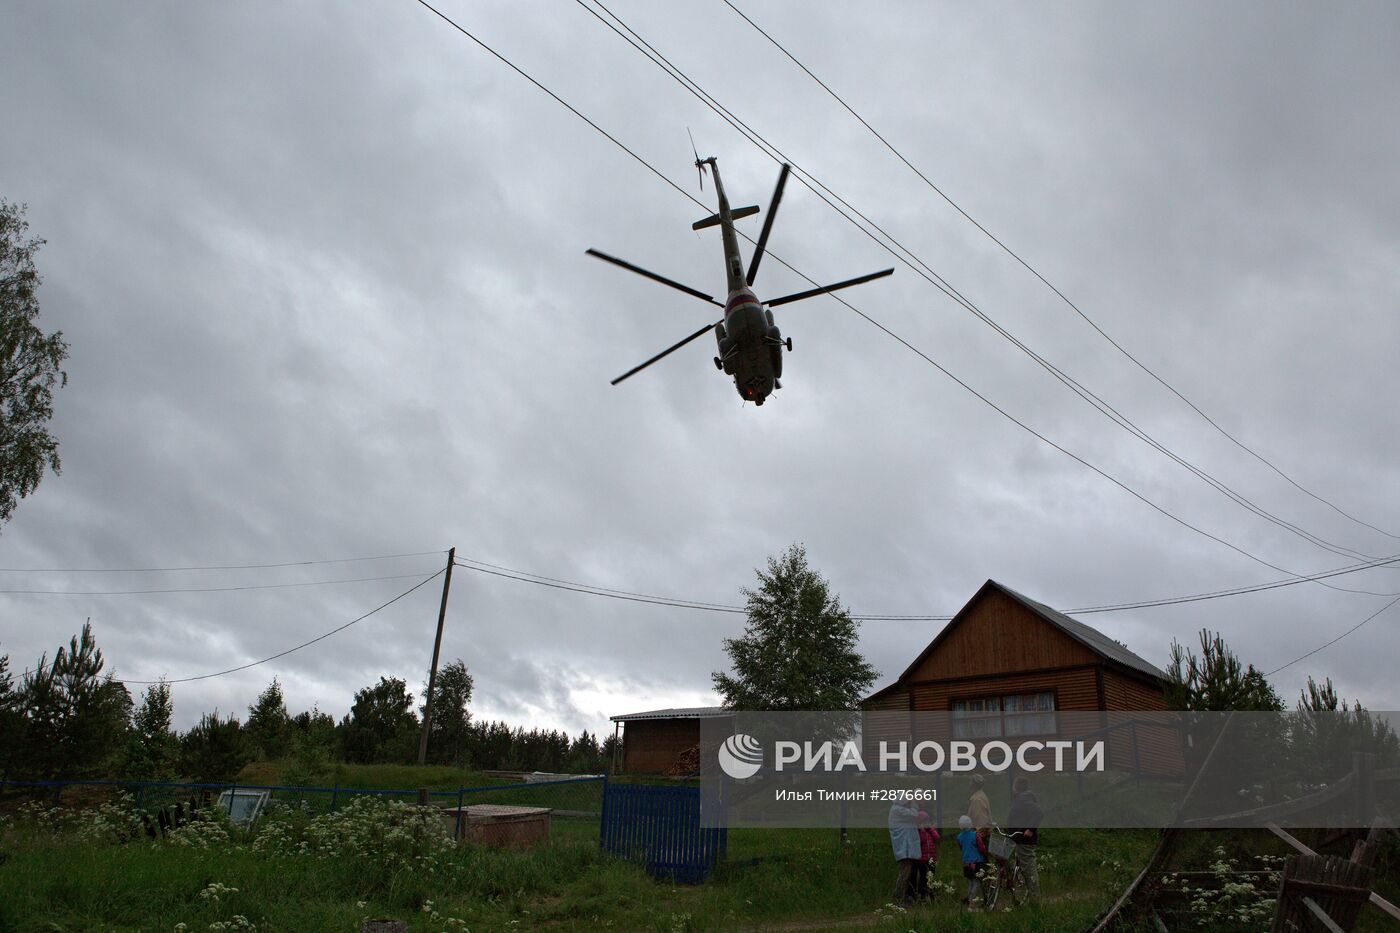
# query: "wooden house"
{"type": "Point", "coordinates": [1007, 666]}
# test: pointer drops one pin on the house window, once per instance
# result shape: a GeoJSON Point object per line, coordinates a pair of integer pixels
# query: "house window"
{"type": "Point", "coordinates": [1010, 715]}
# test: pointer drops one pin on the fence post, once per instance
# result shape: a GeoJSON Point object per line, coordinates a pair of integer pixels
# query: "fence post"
{"type": "Point", "coordinates": [844, 835]}
{"type": "Point", "coordinates": [1364, 786]}
{"type": "Point", "coordinates": [461, 798]}
{"type": "Point", "coordinates": [58, 789]}
{"type": "Point", "coordinates": [140, 795]}
{"type": "Point", "coordinates": [1137, 763]}
{"type": "Point", "coordinates": [232, 792]}
{"type": "Point", "coordinates": [335, 794]}
{"type": "Point", "coordinates": [603, 816]}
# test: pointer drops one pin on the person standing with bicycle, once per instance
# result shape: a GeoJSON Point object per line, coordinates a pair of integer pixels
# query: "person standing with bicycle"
{"type": "Point", "coordinates": [1025, 816]}
{"type": "Point", "coordinates": [979, 808]}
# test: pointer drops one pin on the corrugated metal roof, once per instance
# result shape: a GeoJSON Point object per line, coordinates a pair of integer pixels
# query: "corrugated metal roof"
{"type": "Point", "coordinates": [1090, 637]}
{"type": "Point", "coordinates": [688, 712]}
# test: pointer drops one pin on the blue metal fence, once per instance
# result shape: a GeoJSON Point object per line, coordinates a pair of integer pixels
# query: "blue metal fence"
{"type": "Point", "coordinates": [659, 827]}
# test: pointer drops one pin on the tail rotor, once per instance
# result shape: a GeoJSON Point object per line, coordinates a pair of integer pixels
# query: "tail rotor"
{"type": "Point", "coordinates": [699, 163]}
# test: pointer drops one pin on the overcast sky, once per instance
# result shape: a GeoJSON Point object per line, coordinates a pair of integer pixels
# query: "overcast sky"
{"type": "Point", "coordinates": [322, 270]}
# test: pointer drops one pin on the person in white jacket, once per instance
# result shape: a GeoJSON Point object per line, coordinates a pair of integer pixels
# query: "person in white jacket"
{"type": "Point", "coordinates": [904, 839]}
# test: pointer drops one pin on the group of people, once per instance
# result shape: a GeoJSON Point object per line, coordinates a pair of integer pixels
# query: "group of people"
{"type": "Point", "coordinates": [915, 842]}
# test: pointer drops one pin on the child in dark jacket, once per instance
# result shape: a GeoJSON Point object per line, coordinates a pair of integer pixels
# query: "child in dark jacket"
{"type": "Point", "coordinates": [974, 856]}
{"type": "Point", "coordinates": [928, 851]}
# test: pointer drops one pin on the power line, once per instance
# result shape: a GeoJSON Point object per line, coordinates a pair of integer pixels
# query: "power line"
{"type": "Point", "coordinates": [923, 270]}
{"type": "Point", "coordinates": [296, 563]}
{"type": "Point", "coordinates": [1049, 285]}
{"type": "Point", "coordinates": [283, 654]}
{"type": "Point", "coordinates": [599, 589]}
{"type": "Point", "coordinates": [610, 594]}
{"type": "Point", "coordinates": [202, 589]}
{"type": "Point", "coordinates": [1242, 590]}
{"type": "Point", "coordinates": [576, 586]}
{"type": "Point", "coordinates": [556, 583]}
{"type": "Point", "coordinates": [1335, 640]}
{"type": "Point", "coordinates": [869, 319]}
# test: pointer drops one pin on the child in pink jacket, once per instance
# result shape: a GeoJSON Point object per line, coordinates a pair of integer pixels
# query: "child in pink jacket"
{"type": "Point", "coordinates": [928, 851]}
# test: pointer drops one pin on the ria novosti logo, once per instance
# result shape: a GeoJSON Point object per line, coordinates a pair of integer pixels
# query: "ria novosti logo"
{"type": "Point", "coordinates": [740, 756]}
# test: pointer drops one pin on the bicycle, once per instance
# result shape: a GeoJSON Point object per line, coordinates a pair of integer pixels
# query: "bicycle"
{"type": "Point", "coordinates": [1008, 875]}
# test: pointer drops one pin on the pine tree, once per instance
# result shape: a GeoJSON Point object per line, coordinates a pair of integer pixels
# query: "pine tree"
{"type": "Point", "coordinates": [268, 723]}
{"type": "Point", "coordinates": [75, 717]}
{"type": "Point", "coordinates": [215, 750]}
{"type": "Point", "coordinates": [1216, 680]}
{"type": "Point", "coordinates": [11, 719]}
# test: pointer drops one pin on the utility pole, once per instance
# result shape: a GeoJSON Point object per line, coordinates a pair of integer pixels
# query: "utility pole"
{"type": "Point", "coordinates": [432, 671]}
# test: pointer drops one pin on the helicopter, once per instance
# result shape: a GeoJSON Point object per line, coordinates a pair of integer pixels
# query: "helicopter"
{"type": "Point", "coordinates": [750, 344]}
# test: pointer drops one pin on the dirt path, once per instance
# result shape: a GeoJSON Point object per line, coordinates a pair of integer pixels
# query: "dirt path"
{"type": "Point", "coordinates": [877, 917]}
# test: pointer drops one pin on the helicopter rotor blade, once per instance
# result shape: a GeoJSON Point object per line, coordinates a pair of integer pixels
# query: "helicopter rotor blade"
{"type": "Point", "coordinates": [669, 350]}
{"type": "Point", "coordinates": [767, 224]}
{"type": "Point", "coordinates": [654, 277]}
{"type": "Point", "coordinates": [813, 292]}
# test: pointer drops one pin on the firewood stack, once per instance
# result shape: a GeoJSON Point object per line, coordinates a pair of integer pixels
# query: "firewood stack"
{"type": "Point", "coordinates": [687, 762]}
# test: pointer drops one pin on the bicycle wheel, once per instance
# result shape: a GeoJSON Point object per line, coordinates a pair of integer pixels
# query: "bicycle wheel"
{"type": "Point", "coordinates": [991, 889]}
{"type": "Point", "coordinates": [1019, 891]}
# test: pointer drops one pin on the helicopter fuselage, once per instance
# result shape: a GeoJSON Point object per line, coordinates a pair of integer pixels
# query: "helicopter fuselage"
{"type": "Point", "coordinates": [750, 344]}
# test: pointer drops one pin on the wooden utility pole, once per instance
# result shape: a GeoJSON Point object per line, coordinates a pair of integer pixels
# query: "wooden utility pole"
{"type": "Point", "coordinates": [432, 671]}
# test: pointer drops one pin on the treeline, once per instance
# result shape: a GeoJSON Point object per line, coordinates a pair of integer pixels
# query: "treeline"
{"type": "Point", "coordinates": [65, 719]}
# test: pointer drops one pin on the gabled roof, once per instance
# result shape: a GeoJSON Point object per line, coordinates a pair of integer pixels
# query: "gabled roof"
{"type": "Point", "coordinates": [688, 712]}
{"type": "Point", "coordinates": [1091, 638]}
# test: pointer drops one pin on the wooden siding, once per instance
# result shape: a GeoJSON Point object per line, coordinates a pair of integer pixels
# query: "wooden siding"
{"type": "Point", "coordinates": [893, 699]}
{"type": "Point", "coordinates": [1122, 692]}
{"type": "Point", "coordinates": [650, 746]}
{"type": "Point", "coordinates": [1158, 749]}
{"type": "Point", "coordinates": [998, 635]}
{"type": "Point", "coordinates": [1075, 688]}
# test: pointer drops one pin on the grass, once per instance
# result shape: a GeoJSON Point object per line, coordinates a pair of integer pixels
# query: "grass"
{"type": "Point", "coordinates": [72, 876]}
{"type": "Point", "coordinates": [75, 873]}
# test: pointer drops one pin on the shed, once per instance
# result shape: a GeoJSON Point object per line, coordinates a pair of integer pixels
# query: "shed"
{"type": "Point", "coordinates": [1005, 665]}
{"type": "Point", "coordinates": [654, 742]}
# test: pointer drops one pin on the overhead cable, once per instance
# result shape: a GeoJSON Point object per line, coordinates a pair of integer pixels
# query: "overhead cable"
{"type": "Point", "coordinates": [524, 576]}
{"type": "Point", "coordinates": [1335, 640]}
{"type": "Point", "coordinates": [203, 589]}
{"type": "Point", "coordinates": [1005, 414]}
{"type": "Point", "coordinates": [283, 654]}
{"type": "Point", "coordinates": [295, 563]}
{"type": "Point", "coordinates": [1116, 345]}
{"type": "Point", "coordinates": [922, 269]}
